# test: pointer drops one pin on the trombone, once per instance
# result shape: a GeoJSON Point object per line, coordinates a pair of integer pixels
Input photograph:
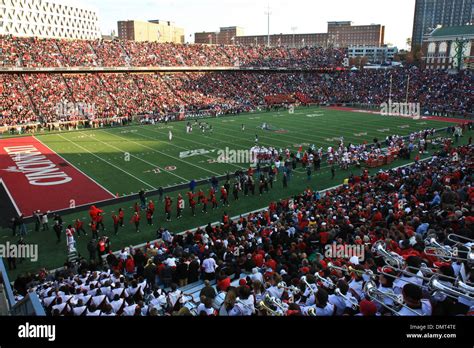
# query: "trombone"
{"type": "Point", "coordinates": [295, 290]}
{"type": "Point", "coordinates": [391, 258]}
{"type": "Point", "coordinates": [350, 269]}
{"type": "Point", "coordinates": [374, 294]}
{"type": "Point", "coordinates": [353, 301]}
{"type": "Point", "coordinates": [460, 290]}
{"type": "Point", "coordinates": [337, 268]}
{"type": "Point", "coordinates": [367, 272]}
{"type": "Point", "coordinates": [308, 285]}
{"type": "Point", "coordinates": [327, 282]}
{"type": "Point", "coordinates": [457, 237]}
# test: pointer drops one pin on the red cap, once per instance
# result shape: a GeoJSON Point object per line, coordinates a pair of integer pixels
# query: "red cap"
{"type": "Point", "coordinates": [367, 308]}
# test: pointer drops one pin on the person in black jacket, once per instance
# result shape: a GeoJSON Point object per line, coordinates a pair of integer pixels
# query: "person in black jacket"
{"type": "Point", "coordinates": [193, 270]}
{"type": "Point", "coordinates": [58, 229]}
{"type": "Point", "coordinates": [182, 273]}
{"type": "Point", "coordinates": [91, 247]}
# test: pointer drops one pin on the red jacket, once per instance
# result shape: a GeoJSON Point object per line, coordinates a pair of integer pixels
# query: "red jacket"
{"type": "Point", "coordinates": [223, 284]}
{"type": "Point", "coordinates": [130, 265]}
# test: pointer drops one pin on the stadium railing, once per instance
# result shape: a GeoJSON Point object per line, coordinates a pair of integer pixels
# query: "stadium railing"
{"type": "Point", "coordinates": [30, 305]}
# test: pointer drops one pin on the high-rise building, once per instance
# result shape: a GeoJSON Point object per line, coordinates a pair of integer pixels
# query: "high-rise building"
{"type": "Point", "coordinates": [151, 31]}
{"type": "Point", "coordinates": [429, 14]}
{"type": "Point", "coordinates": [53, 19]}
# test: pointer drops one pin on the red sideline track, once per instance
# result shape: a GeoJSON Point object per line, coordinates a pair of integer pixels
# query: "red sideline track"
{"type": "Point", "coordinates": [38, 178]}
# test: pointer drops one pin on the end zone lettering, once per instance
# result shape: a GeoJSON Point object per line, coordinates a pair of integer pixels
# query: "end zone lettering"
{"type": "Point", "coordinates": [37, 168]}
{"type": "Point", "coordinates": [29, 169]}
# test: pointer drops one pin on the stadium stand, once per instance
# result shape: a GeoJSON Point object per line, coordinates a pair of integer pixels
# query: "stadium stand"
{"type": "Point", "coordinates": [406, 222]}
{"type": "Point", "coordinates": [33, 98]}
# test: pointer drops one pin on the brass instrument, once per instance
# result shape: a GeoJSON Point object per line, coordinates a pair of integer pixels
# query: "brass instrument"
{"type": "Point", "coordinates": [460, 290]}
{"type": "Point", "coordinates": [352, 300]}
{"type": "Point", "coordinates": [292, 288]}
{"type": "Point", "coordinates": [308, 285]}
{"type": "Point", "coordinates": [327, 282]}
{"type": "Point", "coordinates": [268, 301]}
{"type": "Point", "coordinates": [391, 258]}
{"type": "Point", "coordinates": [374, 294]}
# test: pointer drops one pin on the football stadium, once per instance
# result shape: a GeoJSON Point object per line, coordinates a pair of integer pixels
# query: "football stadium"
{"type": "Point", "coordinates": [251, 176]}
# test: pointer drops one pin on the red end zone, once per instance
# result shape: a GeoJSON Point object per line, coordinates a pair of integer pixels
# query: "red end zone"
{"type": "Point", "coordinates": [37, 178]}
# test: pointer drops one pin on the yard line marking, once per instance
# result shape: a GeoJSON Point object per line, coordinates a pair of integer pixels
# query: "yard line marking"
{"type": "Point", "coordinates": [175, 158]}
{"type": "Point", "coordinates": [111, 164]}
{"type": "Point", "coordinates": [185, 148]}
{"type": "Point", "coordinates": [144, 161]}
{"type": "Point", "coordinates": [72, 165]}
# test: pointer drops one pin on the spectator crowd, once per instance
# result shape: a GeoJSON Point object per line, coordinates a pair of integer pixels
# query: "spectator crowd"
{"type": "Point", "coordinates": [280, 261]}
{"type": "Point", "coordinates": [35, 98]}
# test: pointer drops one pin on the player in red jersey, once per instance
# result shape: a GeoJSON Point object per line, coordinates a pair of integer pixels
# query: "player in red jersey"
{"type": "Point", "coordinates": [168, 203]}
{"type": "Point", "coordinates": [136, 221]}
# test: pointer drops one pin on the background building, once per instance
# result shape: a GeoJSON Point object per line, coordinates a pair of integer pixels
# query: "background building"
{"type": "Point", "coordinates": [344, 34]}
{"type": "Point", "coordinates": [152, 31]}
{"type": "Point", "coordinates": [372, 53]}
{"type": "Point", "coordinates": [48, 19]}
{"type": "Point", "coordinates": [225, 36]}
{"type": "Point", "coordinates": [340, 34]}
{"type": "Point", "coordinates": [432, 13]}
{"type": "Point", "coordinates": [440, 48]}
{"type": "Point", "coordinates": [287, 40]}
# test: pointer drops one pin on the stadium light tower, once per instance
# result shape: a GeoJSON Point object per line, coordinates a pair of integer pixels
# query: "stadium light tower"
{"type": "Point", "coordinates": [293, 29]}
{"type": "Point", "coordinates": [461, 44]}
{"type": "Point", "coordinates": [268, 13]}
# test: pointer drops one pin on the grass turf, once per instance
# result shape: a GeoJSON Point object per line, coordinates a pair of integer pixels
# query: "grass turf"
{"type": "Point", "coordinates": [103, 155]}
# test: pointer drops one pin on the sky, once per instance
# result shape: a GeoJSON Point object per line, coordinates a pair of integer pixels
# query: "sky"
{"type": "Point", "coordinates": [308, 16]}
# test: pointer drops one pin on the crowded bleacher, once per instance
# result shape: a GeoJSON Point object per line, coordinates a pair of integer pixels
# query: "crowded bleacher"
{"type": "Point", "coordinates": [32, 99]}
{"type": "Point", "coordinates": [413, 228]}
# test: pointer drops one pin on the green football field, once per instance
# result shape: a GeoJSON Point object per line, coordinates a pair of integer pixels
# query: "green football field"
{"type": "Point", "coordinates": [126, 159]}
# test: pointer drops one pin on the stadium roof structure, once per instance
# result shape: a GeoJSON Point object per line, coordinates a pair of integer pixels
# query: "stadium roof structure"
{"type": "Point", "coordinates": [464, 30]}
